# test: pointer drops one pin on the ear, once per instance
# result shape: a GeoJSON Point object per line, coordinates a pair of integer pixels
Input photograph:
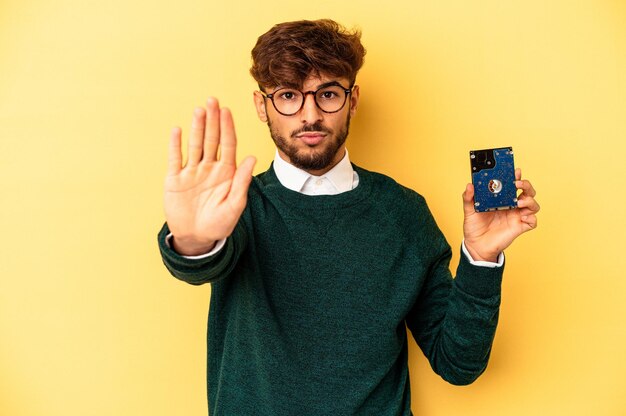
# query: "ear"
{"type": "Point", "coordinates": [259, 103]}
{"type": "Point", "coordinates": [354, 100]}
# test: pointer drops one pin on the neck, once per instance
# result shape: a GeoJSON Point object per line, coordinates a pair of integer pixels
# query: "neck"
{"type": "Point", "coordinates": [318, 172]}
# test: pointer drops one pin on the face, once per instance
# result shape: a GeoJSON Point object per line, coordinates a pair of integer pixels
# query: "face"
{"type": "Point", "coordinates": [311, 139]}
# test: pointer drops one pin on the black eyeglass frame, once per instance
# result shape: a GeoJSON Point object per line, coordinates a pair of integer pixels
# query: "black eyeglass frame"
{"type": "Point", "coordinates": [348, 92]}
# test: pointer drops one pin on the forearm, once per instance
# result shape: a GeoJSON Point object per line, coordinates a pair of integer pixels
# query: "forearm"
{"type": "Point", "coordinates": [470, 323]}
{"type": "Point", "coordinates": [456, 320]}
{"type": "Point", "coordinates": [203, 269]}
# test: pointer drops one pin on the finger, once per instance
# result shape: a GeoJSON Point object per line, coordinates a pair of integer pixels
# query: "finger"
{"type": "Point", "coordinates": [241, 182]}
{"type": "Point", "coordinates": [526, 187]}
{"type": "Point", "coordinates": [228, 140]}
{"type": "Point", "coordinates": [174, 156]}
{"type": "Point", "coordinates": [196, 137]}
{"type": "Point", "coordinates": [530, 221]}
{"type": "Point", "coordinates": [212, 130]}
{"type": "Point", "coordinates": [518, 174]}
{"type": "Point", "coordinates": [468, 200]}
{"type": "Point", "coordinates": [528, 203]}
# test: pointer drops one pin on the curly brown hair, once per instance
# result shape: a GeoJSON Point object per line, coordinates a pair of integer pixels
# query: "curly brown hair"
{"type": "Point", "coordinates": [290, 52]}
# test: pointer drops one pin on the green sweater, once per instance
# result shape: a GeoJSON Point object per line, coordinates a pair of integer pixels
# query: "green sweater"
{"type": "Point", "coordinates": [311, 294]}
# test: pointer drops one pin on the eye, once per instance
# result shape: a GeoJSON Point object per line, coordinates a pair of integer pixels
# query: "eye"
{"type": "Point", "coordinates": [328, 94]}
{"type": "Point", "coordinates": [287, 95]}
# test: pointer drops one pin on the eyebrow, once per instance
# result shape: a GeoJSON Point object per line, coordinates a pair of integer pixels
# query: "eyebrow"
{"type": "Point", "coordinates": [329, 84]}
{"type": "Point", "coordinates": [324, 85]}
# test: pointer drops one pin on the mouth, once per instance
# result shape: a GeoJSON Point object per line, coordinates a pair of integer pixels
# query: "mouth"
{"type": "Point", "coordinates": [311, 138]}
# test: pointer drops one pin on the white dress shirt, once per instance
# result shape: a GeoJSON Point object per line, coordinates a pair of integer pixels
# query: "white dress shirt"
{"type": "Point", "coordinates": [341, 178]}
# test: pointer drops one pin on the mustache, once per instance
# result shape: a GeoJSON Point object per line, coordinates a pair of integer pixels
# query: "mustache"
{"type": "Point", "coordinates": [316, 127]}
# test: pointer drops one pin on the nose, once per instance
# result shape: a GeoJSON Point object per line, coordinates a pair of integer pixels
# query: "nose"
{"type": "Point", "coordinates": [310, 112]}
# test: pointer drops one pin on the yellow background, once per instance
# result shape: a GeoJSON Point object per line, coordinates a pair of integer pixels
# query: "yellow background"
{"type": "Point", "coordinates": [92, 324]}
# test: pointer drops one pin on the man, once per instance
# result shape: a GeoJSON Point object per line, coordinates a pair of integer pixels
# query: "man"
{"type": "Point", "coordinates": [316, 265]}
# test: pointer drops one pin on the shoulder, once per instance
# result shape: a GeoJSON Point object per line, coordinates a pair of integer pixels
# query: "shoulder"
{"type": "Point", "coordinates": [262, 181]}
{"type": "Point", "coordinates": [397, 201]}
{"type": "Point", "coordinates": [406, 209]}
{"type": "Point", "coordinates": [388, 189]}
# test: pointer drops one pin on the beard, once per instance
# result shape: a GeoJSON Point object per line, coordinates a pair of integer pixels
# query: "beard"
{"type": "Point", "coordinates": [310, 158]}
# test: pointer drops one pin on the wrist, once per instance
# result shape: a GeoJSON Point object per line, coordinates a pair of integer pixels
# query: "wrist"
{"type": "Point", "coordinates": [481, 255]}
{"type": "Point", "coordinates": [186, 247]}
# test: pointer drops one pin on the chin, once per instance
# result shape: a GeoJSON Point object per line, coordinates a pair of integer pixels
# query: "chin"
{"type": "Point", "coordinates": [313, 160]}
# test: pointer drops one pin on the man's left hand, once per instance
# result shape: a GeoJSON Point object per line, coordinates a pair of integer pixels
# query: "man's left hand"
{"type": "Point", "coordinates": [487, 234]}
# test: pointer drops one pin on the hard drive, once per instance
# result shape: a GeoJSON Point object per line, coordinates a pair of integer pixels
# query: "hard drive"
{"type": "Point", "coordinates": [493, 176]}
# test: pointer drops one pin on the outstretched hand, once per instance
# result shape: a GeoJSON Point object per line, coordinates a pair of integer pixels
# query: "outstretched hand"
{"type": "Point", "coordinates": [204, 198]}
{"type": "Point", "coordinates": [487, 234]}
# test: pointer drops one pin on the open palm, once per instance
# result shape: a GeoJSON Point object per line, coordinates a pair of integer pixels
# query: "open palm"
{"type": "Point", "coordinates": [204, 198]}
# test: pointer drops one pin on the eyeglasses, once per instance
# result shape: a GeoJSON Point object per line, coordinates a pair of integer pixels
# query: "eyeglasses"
{"type": "Point", "coordinates": [329, 98]}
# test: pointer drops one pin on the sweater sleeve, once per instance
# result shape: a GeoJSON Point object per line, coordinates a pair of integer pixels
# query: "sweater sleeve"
{"type": "Point", "coordinates": [208, 269]}
{"type": "Point", "coordinates": [454, 320]}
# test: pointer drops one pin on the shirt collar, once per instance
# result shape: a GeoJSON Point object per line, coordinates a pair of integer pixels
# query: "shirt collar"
{"type": "Point", "coordinates": [291, 177]}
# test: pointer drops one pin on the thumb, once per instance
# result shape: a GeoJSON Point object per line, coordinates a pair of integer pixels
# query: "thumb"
{"type": "Point", "coordinates": [241, 182]}
{"type": "Point", "coordinates": [468, 200]}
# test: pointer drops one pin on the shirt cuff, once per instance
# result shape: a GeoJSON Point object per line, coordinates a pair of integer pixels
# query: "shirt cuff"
{"type": "Point", "coordinates": [218, 246]}
{"type": "Point", "coordinates": [481, 263]}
